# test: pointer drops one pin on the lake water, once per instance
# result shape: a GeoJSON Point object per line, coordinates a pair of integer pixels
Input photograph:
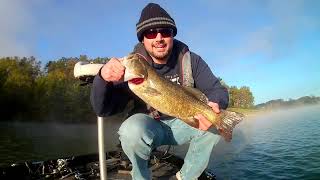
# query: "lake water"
{"type": "Point", "coordinates": [278, 145]}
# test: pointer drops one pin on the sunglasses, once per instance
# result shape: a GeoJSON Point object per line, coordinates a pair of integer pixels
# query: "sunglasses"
{"type": "Point", "coordinates": [152, 33]}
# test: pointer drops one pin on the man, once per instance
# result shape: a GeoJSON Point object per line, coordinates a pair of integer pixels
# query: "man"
{"type": "Point", "coordinates": [146, 128]}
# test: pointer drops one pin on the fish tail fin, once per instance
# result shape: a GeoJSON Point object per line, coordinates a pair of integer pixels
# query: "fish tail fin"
{"type": "Point", "coordinates": [227, 120]}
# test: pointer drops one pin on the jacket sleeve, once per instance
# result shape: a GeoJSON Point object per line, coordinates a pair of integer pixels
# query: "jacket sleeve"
{"type": "Point", "coordinates": [108, 99]}
{"type": "Point", "coordinates": [208, 83]}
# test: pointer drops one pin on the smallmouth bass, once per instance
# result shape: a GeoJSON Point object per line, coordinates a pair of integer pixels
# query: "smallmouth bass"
{"type": "Point", "coordinates": [173, 99]}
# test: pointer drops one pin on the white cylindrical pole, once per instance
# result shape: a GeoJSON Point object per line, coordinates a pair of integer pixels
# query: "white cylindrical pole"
{"type": "Point", "coordinates": [102, 152]}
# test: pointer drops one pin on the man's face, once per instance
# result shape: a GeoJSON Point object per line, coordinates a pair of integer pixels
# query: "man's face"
{"type": "Point", "coordinates": [158, 43]}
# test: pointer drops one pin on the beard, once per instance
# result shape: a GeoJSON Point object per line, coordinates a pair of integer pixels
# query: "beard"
{"type": "Point", "coordinates": [160, 55]}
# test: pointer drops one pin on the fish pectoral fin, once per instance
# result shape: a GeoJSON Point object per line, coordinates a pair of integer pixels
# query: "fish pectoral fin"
{"type": "Point", "coordinates": [197, 94]}
{"type": "Point", "coordinates": [151, 91]}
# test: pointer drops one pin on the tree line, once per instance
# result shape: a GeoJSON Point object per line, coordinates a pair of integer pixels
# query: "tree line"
{"type": "Point", "coordinates": [280, 103]}
{"type": "Point", "coordinates": [29, 92]}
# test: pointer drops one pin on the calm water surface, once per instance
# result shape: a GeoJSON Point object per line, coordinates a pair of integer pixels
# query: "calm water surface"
{"type": "Point", "coordinates": [279, 145]}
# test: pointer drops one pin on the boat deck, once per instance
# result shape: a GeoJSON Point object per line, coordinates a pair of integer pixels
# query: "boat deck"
{"type": "Point", "coordinates": [163, 167]}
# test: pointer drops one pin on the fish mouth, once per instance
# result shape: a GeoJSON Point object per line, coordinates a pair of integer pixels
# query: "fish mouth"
{"type": "Point", "coordinates": [129, 75]}
{"type": "Point", "coordinates": [136, 81]}
{"type": "Point", "coordinates": [133, 78]}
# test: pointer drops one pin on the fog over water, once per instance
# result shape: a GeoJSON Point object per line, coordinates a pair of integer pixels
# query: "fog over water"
{"type": "Point", "coordinates": [280, 144]}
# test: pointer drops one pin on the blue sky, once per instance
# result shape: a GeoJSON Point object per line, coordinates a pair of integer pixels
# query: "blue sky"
{"type": "Point", "coordinates": [271, 46]}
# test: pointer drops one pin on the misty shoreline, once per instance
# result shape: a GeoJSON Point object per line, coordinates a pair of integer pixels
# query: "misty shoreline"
{"type": "Point", "coordinates": [253, 114]}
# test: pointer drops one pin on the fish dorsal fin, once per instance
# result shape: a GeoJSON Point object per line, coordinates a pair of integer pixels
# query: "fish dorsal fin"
{"type": "Point", "coordinates": [197, 94]}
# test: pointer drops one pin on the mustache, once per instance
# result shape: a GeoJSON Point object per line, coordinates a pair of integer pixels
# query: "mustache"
{"type": "Point", "coordinates": [161, 42]}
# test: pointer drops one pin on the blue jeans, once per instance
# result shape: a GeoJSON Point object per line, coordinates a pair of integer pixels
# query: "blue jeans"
{"type": "Point", "coordinates": [140, 134]}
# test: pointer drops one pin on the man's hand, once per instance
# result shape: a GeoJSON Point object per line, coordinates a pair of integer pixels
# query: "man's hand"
{"type": "Point", "coordinates": [204, 123]}
{"type": "Point", "coordinates": [113, 71]}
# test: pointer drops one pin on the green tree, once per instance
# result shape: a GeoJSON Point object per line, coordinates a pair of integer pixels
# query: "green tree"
{"type": "Point", "coordinates": [17, 82]}
{"type": "Point", "coordinates": [240, 98]}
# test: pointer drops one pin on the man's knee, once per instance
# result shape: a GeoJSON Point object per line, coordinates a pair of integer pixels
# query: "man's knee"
{"type": "Point", "coordinates": [139, 128]}
{"type": "Point", "coordinates": [136, 134]}
{"type": "Point", "coordinates": [211, 138]}
{"type": "Point", "coordinates": [134, 126]}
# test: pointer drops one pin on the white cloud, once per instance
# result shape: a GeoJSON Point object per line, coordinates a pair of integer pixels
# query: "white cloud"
{"type": "Point", "coordinates": [245, 28]}
{"type": "Point", "coordinates": [290, 23]}
{"type": "Point", "coordinates": [16, 22]}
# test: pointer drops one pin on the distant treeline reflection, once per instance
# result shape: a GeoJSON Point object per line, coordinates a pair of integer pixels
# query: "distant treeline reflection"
{"type": "Point", "coordinates": [29, 92]}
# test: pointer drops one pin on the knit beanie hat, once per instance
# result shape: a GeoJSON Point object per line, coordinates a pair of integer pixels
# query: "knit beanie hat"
{"type": "Point", "coordinates": [154, 16]}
